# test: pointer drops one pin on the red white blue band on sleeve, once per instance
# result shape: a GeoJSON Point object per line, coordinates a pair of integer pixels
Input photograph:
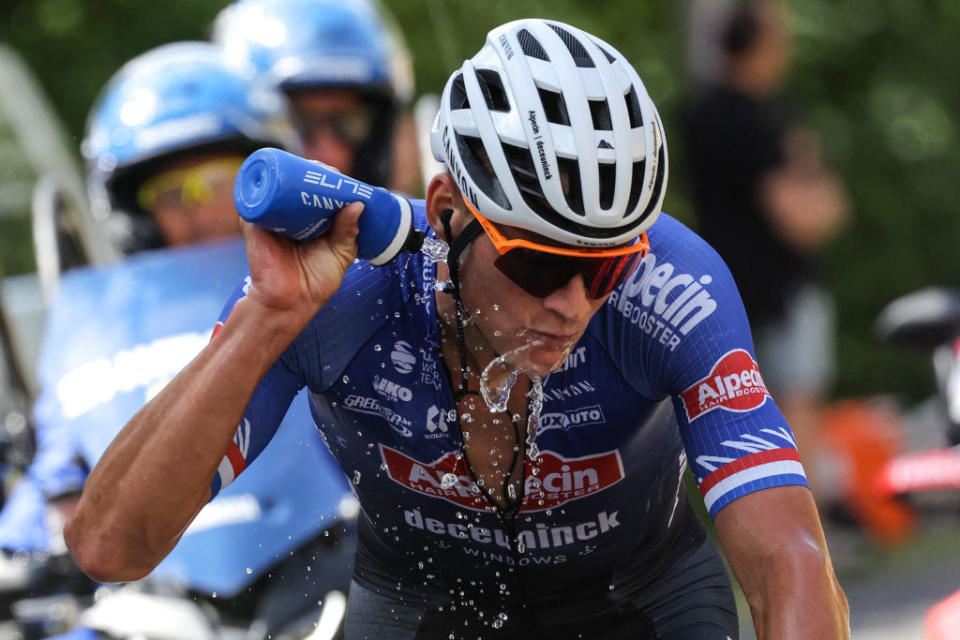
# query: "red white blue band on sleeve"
{"type": "Point", "coordinates": [761, 470]}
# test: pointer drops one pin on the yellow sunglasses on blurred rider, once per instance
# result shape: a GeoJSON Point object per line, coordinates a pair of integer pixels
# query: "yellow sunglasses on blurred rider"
{"type": "Point", "coordinates": [190, 187]}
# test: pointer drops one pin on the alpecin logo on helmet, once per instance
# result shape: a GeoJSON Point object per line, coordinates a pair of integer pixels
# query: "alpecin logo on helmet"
{"type": "Point", "coordinates": [733, 384]}
{"type": "Point", "coordinates": [558, 481]}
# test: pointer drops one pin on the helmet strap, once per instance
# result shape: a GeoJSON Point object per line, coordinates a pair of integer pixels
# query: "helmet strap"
{"type": "Point", "coordinates": [457, 247]}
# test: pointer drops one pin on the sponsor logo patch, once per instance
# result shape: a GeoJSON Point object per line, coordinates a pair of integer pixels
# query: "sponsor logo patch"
{"type": "Point", "coordinates": [436, 422]}
{"type": "Point", "coordinates": [372, 407]}
{"type": "Point", "coordinates": [389, 390]}
{"type": "Point", "coordinates": [733, 384]}
{"type": "Point", "coordinates": [560, 480]}
{"type": "Point", "coordinates": [402, 357]}
{"type": "Point", "coordinates": [664, 303]}
{"type": "Point", "coordinates": [579, 417]}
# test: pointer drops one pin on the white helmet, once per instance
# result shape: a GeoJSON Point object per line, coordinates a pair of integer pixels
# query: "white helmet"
{"type": "Point", "coordinates": [550, 129]}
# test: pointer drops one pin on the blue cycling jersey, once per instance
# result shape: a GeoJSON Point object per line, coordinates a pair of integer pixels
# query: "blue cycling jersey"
{"type": "Point", "coordinates": [663, 376]}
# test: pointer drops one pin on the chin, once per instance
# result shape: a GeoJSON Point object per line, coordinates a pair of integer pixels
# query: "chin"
{"type": "Point", "coordinates": [546, 361]}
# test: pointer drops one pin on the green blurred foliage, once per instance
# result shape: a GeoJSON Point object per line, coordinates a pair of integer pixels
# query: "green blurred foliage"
{"type": "Point", "coordinates": [875, 77]}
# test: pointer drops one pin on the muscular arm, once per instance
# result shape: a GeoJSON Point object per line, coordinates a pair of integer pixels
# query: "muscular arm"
{"type": "Point", "coordinates": [155, 476]}
{"type": "Point", "coordinates": [775, 545]}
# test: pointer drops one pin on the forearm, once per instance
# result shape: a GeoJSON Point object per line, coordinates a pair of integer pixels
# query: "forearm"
{"type": "Point", "coordinates": [156, 475]}
{"type": "Point", "coordinates": [775, 545]}
{"type": "Point", "coordinates": [799, 598]}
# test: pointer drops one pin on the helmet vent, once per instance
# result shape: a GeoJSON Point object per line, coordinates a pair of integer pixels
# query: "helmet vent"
{"type": "Point", "coordinates": [493, 92]}
{"type": "Point", "coordinates": [478, 166]}
{"type": "Point", "coordinates": [608, 183]}
{"type": "Point", "coordinates": [579, 53]}
{"type": "Point", "coordinates": [570, 179]}
{"type": "Point", "coordinates": [555, 107]}
{"type": "Point", "coordinates": [657, 190]}
{"type": "Point", "coordinates": [531, 46]}
{"type": "Point", "coordinates": [609, 56]}
{"type": "Point", "coordinates": [636, 185]}
{"type": "Point", "coordinates": [524, 173]}
{"type": "Point", "coordinates": [633, 108]}
{"type": "Point", "coordinates": [600, 111]}
{"type": "Point", "coordinates": [458, 94]}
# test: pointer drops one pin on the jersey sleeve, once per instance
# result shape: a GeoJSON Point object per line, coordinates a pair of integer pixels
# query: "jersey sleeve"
{"type": "Point", "coordinates": [736, 438]}
{"type": "Point", "coordinates": [265, 411]}
{"type": "Point", "coordinates": [689, 339]}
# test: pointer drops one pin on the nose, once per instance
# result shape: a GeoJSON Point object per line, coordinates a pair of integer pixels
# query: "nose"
{"type": "Point", "coordinates": [571, 300]}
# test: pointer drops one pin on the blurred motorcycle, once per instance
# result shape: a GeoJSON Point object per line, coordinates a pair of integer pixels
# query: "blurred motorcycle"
{"type": "Point", "coordinates": [930, 478]}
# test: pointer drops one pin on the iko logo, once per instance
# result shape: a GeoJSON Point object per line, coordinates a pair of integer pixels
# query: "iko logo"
{"type": "Point", "coordinates": [560, 479]}
{"type": "Point", "coordinates": [390, 390]}
{"type": "Point", "coordinates": [733, 384]}
{"type": "Point", "coordinates": [402, 357]}
{"type": "Point", "coordinates": [372, 407]}
{"type": "Point", "coordinates": [669, 306]}
{"type": "Point", "coordinates": [436, 422]}
{"type": "Point", "coordinates": [571, 418]}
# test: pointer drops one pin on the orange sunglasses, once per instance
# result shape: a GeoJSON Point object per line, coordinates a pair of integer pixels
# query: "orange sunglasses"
{"type": "Point", "coordinates": [541, 269]}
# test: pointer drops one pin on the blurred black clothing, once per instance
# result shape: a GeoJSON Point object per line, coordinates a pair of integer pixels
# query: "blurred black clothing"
{"type": "Point", "coordinates": [732, 141]}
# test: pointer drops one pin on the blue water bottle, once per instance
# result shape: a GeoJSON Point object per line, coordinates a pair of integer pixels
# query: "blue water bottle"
{"type": "Point", "coordinates": [297, 198]}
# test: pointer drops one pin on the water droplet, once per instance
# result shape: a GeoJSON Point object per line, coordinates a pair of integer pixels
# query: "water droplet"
{"type": "Point", "coordinates": [496, 307]}
{"type": "Point", "coordinates": [434, 249]}
{"type": "Point", "coordinates": [377, 347]}
{"type": "Point", "coordinates": [356, 476]}
{"type": "Point", "coordinates": [512, 492]}
{"type": "Point", "coordinates": [448, 480]}
{"type": "Point", "coordinates": [379, 300]}
{"type": "Point", "coordinates": [248, 570]}
{"type": "Point", "coordinates": [346, 379]}
{"type": "Point", "coordinates": [213, 595]}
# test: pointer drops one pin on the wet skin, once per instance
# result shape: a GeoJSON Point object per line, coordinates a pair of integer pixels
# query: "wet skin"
{"type": "Point", "coordinates": [503, 318]}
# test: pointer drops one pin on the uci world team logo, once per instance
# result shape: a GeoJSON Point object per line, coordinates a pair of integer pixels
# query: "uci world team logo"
{"type": "Point", "coordinates": [402, 357]}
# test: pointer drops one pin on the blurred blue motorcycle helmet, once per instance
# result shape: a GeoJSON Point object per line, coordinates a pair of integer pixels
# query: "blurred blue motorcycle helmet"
{"type": "Point", "coordinates": [176, 99]}
{"type": "Point", "coordinates": [308, 45]}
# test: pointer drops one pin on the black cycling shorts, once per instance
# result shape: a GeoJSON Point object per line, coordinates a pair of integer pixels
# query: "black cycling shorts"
{"type": "Point", "coordinates": [693, 602]}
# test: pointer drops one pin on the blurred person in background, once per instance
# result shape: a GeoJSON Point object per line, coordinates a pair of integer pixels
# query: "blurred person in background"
{"type": "Point", "coordinates": [164, 142]}
{"type": "Point", "coordinates": [767, 203]}
{"type": "Point", "coordinates": [347, 74]}
{"type": "Point", "coordinates": [173, 126]}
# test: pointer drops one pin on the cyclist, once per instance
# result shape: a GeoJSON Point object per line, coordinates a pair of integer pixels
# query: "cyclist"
{"type": "Point", "coordinates": [163, 144]}
{"type": "Point", "coordinates": [556, 509]}
{"type": "Point", "coordinates": [346, 72]}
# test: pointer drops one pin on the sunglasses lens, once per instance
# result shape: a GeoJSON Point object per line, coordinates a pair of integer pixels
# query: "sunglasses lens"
{"type": "Point", "coordinates": [610, 273]}
{"type": "Point", "coordinates": [184, 188]}
{"type": "Point", "coordinates": [540, 274]}
{"type": "Point", "coordinates": [351, 127]}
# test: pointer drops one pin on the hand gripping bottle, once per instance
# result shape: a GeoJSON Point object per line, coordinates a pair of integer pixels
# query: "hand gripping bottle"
{"type": "Point", "coordinates": [297, 198]}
